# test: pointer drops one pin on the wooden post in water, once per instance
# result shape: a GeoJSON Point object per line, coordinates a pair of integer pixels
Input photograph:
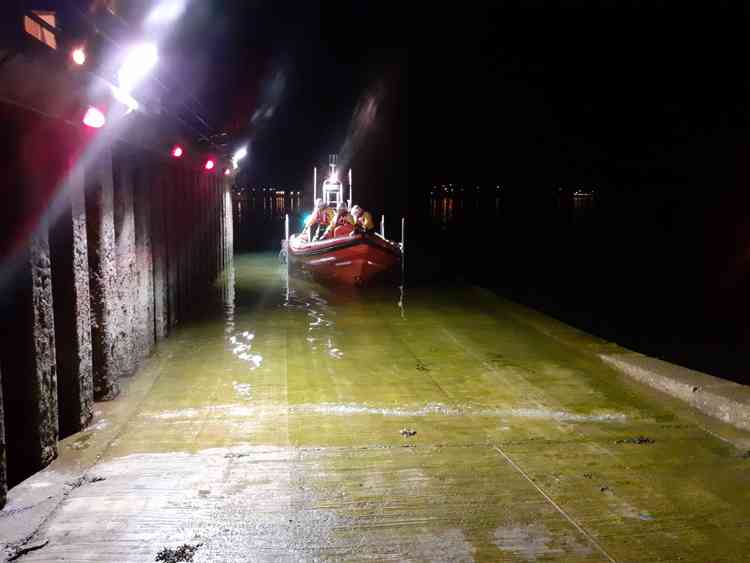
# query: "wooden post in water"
{"type": "Point", "coordinates": [286, 242]}
{"type": "Point", "coordinates": [382, 226]}
{"type": "Point", "coordinates": [403, 249]}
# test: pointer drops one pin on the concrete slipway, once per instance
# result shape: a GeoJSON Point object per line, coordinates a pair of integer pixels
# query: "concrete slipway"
{"type": "Point", "coordinates": [443, 425]}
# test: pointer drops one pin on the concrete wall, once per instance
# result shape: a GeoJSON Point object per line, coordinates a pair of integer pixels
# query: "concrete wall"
{"type": "Point", "coordinates": [103, 274]}
{"type": "Point", "coordinates": [3, 476]}
{"type": "Point", "coordinates": [72, 308]}
{"type": "Point", "coordinates": [28, 364]}
{"type": "Point", "coordinates": [143, 321]}
{"type": "Point", "coordinates": [27, 349]}
{"type": "Point", "coordinates": [105, 249]}
{"type": "Point", "coordinates": [124, 161]}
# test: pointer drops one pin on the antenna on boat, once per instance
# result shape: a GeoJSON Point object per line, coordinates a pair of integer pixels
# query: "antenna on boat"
{"type": "Point", "coordinates": [286, 244]}
{"type": "Point", "coordinates": [332, 161]}
{"type": "Point", "coordinates": [315, 184]}
{"type": "Point", "coordinates": [351, 198]}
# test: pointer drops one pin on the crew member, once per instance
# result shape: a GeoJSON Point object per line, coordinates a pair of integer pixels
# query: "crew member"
{"type": "Point", "coordinates": [320, 219]}
{"type": "Point", "coordinates": [343, 219]}
{"type": "Point", "coordinates": [363, 220]}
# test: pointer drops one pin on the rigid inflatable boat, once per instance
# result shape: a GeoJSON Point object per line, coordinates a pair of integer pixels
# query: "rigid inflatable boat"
{"type": "Point", "coordinates": [350, 258]}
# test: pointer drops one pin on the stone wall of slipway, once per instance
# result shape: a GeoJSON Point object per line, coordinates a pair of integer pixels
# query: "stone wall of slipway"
{"type": "Point", "coordinates": [106, 246]}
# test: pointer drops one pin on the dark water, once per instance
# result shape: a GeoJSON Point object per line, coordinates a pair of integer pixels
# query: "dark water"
{"type": "Point", "coordinates": [640, 270]}
{"type": "Point", "coordinates": [259, 218]}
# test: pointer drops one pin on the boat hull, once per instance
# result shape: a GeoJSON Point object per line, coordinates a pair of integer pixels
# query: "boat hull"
{"type": "Point", "coordinates": [345, 260]}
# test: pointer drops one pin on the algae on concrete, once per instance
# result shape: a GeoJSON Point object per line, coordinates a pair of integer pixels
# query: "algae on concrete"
{"type": "Point", "coordinates": [274, 431]}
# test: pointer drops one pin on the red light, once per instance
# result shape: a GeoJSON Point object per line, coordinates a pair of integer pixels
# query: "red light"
{"type": "Point", "coordinates": [177, 152]}
{"type": "Point", "coordinates": [78, 55]}
{"type": "Point", "coordinates": [94, 118]}
{"type": "Point", "coordinates": [210, 164]}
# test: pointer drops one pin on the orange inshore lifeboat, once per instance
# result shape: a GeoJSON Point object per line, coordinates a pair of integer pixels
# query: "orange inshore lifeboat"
{"type": "Point", "coordinates": [351, 258]}
{"type": "Point", "coordinates": [348, 260]}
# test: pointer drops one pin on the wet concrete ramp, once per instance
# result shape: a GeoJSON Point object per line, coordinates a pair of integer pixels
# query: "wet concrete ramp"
{"type": "Point", "coordinates": [304, 425]}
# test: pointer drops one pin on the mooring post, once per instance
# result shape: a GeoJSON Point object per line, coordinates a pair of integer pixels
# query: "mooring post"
{"type": "Point", "coordinates": [286, 239]}
{"type": "Point", "coordinates": [351, 197]}
{"type": "Point", "coordinates": [382, 226]}
{"type": "Point", "coordinates": [403, 248]}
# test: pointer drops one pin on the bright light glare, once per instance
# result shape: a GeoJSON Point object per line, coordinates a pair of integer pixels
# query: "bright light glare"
{"type": "Point", "coordinates": [177, 152]}
{"type": "Point", "coordinates": [227, 172]}
{"type": "Point", "coordinates": [210, 164]}
{"type": "Point", "coordinates": [166, 11]}
{"type": "Point", "coordinates": [239, 155]}
{"type": "Point", "coordinates": [78, 55]}
{"type": "Point", "coordinates": [125, 98]}
{"type": "Point", "coordinates": [94, 118]}
{"type": "Point", "coordinates": [139, 60]}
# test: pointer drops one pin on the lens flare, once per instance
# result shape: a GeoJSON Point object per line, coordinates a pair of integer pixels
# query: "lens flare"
{"type": "Point", "coordinates": [94, 118]}
{"type": "Point", "coordinates": [78, 55]}
{"type": "Point", "coordinates": [139, 61]}
{"type": "Point", "coordinates": [239, 155]}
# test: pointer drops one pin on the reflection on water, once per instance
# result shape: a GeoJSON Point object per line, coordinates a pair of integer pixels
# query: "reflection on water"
{"type": "Point", "coordinates": [259, 217]}
{"type": "Point", "coordinates": [242, 348]}
{"type": "Point", "coordinates": [270, 201]}
{"type": "Point", "coordinates": [320, 325]}
{"type": "Point", "coordinates": [583, 203]}
{"type": "Point", "coordinates": [454, 204]}
{"type": "Point", "coordinates": [402, 300]}
{"type": "Point", "coordinates": [228, 289]}
{"type": "Point", "coordinates": [252, 319]}
{"type": "Point", "coordinates": [241, 343]}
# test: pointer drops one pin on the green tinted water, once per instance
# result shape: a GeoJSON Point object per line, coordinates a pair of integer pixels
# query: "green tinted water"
{"type": "Point", "coordinates": [306, 423]}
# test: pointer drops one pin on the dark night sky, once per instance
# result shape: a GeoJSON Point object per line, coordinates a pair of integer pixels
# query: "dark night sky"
{"type": "Point", "coordinates": [296, 67]}
{"type": "Point", "coordinates": [587, 96]}
{"type": "Point", "coordinates": [530, 97]}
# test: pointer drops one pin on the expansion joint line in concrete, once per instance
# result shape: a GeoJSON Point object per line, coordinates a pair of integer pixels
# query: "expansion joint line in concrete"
{"type": "Point", "coordinates": [556, 506]}
{"type": "Point", "coordinates": [418, 359]}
